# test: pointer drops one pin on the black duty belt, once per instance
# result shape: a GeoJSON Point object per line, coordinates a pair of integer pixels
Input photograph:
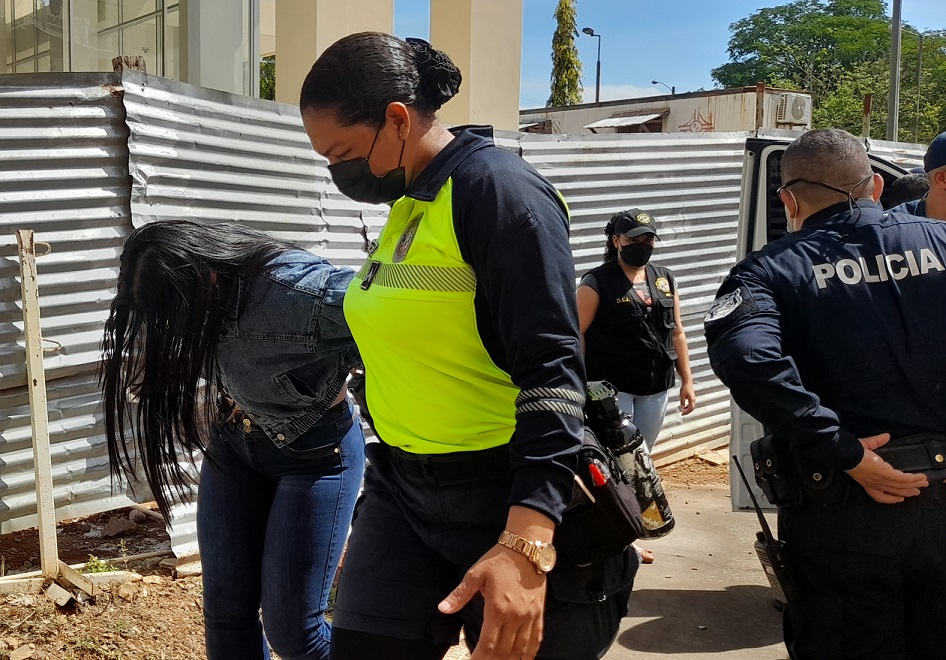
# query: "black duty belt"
{"type": "Point", "coordinates": [453, 469]}
{"type": "Point", "coordinates": [916, 453]}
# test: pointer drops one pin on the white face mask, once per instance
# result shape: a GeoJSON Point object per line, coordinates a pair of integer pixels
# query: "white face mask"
{"type": "Point", "coordinates": [789, 219]}
{"type": "Point", "coordinates": [789, 222]}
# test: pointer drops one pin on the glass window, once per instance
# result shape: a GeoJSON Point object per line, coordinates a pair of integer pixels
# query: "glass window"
{"type": "Point", "coordinates": [24, 32]}
{"type": "Point", "coordinates": [31, 30]}
{"type": "Point", "coordinates": [108, 14]}
{"type": "Point", "coordinates": [132, 9]}
{"type": "Point", "coordinates": [142, 39]}
{"type": "Point", "coordinates": [172, 45]}
{"type": "Point", "coordinates": [108, 48]}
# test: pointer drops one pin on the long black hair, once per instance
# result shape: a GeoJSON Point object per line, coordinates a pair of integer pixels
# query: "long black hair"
{"type": "Point", "coordinates": [177, 287]}
{"type": "Point", "coordinates": [359, 75]}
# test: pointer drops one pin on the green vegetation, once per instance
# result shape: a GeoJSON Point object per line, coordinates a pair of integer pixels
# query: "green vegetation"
{"type": "Point", "coordinates": [267, 78]}
{"type": "Point", "coordinates": [839, 51]}
{"type": "Point", "coordinates": [566, 67]}
{"type": "Point", "coordinates": [96, 565]}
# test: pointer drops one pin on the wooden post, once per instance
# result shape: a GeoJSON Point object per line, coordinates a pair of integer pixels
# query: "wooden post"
{"type": "Point", "coordinates": [36, 382]}
{"type": "Point", "coordinates": [759, 105]}
{"type": "Point", "coordinates": [129, 63]}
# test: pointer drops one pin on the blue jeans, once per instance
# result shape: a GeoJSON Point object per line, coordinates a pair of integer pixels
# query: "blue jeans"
{"type": "Point", "coordinates": [647, 413]}
{"type": "Point", "coordinates": [271, 525]}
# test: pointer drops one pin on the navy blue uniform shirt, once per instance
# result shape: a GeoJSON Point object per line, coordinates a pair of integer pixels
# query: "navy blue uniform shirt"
{"type": "Point", "coordinates": [916, 207]}
{"type": "Point", "coordinates": [838, 331]}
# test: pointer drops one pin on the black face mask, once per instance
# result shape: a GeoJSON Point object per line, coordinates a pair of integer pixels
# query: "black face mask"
{"type": "Point", "coordinates": [636, 254]}
{"type": "Point", "coordinates": [356, 181]}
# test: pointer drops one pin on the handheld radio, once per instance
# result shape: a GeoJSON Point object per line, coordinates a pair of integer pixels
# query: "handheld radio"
{"type": "Point", "coordinates": [771, 553]}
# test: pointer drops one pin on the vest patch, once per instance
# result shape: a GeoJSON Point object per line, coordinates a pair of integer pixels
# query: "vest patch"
{"type": "Point", "coordinates": [407, 238]}
{"type": "Point", "coordinates": [880, 268]}
{"type": "Point", "coordinates": [663, 285]}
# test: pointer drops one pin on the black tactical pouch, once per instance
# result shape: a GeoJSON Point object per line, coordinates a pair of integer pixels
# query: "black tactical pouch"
{"type": "Point", "coordinates": [821, 486]}
{"type": "Point", "coordinates": [604, 516]}
{"type": "Point", "coordinates": [774, 469]}
{"type": "Point", "coordinates": [789, 480]}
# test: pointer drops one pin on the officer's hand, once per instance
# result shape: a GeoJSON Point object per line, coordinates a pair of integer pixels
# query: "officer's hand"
{"type": "Point", "coordinates": [882, 481]}
{"type": "Point", "coordinates": [515, 603]}
{"type": "Point", "coordinates": [687, 398]}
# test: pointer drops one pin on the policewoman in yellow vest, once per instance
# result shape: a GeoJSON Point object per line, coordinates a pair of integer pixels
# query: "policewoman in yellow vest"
{"type": "Point", "coordinates": [465, 316]}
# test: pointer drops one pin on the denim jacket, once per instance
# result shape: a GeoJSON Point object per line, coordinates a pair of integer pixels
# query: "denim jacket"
{"type": "Point", "coordinates": [287, 352]}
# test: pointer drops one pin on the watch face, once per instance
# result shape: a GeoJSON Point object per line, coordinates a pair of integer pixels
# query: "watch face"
{"type": "Point", "coordinates": [545, 557]}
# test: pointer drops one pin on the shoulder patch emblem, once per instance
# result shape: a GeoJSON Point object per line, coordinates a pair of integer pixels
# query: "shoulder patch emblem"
{"type": "Point", "coordinates": [663, 285]}
{"type": "Point", "coordinates": [407, 238]}
{"type": "Point", "coordinates": [724, 306]}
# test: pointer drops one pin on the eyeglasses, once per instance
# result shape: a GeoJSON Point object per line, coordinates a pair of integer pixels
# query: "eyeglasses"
{"type": "Point", "coordinates": [846, 193]}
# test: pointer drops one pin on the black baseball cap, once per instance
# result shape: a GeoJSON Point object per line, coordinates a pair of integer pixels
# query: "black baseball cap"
{"type": "Point", "coordinates": [936, 153]}
{"type": "Point", "coordinates": [632, 223]}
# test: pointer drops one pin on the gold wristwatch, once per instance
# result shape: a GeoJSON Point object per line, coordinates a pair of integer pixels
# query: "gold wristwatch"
{"type": "Point", "coordinates": [542, 555]}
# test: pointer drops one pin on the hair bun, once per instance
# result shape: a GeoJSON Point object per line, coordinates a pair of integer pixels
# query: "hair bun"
{"type": "Point", "coordinates": [440, 78]}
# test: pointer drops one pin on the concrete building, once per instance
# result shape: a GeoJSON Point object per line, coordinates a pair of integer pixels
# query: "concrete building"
{"type": "Point", "coordinates": [740, 109]}
{"type": "Point", "coordinates": [218, 43]}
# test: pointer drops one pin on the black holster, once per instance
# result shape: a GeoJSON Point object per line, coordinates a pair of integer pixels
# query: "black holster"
{"type": "Point", "coordinates": [788, 479]}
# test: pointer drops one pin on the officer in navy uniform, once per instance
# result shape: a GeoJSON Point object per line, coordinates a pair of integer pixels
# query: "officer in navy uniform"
{"type": "Point", "coordinates": [933, 203]}
{"type": "Point", "coordinates": [833, 338]}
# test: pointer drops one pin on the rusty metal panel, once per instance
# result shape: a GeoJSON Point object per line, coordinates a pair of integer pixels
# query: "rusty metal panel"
{"type": "Point", "coordinates": [690, 183]}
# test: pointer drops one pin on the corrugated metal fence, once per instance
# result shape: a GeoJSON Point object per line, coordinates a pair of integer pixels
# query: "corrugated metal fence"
{"type": "Point", "coordinates": [690, 183]}
{"type": "Point", "coordinates": [84, 157]}
{"type": "Point", "coordinates": [64, 174]}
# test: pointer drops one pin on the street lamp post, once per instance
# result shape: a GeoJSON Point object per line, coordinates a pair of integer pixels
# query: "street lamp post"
{"type": "Point", "coordinates": [893, 100]}
{"type": "Point", "coordinates": [919, 79]}
{"type": "Point", "coordinates": [673, 90]}
{"type": "Point", "coordinates": [591, 33]}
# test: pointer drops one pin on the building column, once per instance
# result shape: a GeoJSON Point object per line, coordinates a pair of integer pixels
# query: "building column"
{"type": "Point", "coordinates": [214, 48]}
{"type": "Point", "coordinates": [484, 39]}
{"type": "Point", "coordinates": [305, 28]}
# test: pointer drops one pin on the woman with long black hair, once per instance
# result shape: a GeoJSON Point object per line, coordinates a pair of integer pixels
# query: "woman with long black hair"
{"type": "Point", "coordinates": [227, 342]}
{"type": "Point", "coordinates": [465, 316]}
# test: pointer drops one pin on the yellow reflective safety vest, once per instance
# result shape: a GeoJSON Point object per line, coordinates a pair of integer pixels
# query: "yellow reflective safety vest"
{"type": "Point", "coordinates": [432, 387]}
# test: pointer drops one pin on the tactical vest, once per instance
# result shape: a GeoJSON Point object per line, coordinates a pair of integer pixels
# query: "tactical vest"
{"type": "Point", "coordinates": [626, 344]}
{"type": "Point", "coordinates": [431, 385]}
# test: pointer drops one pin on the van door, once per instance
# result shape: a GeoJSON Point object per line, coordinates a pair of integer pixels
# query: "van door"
{"type": "Point", "coordinates": [762, 220]}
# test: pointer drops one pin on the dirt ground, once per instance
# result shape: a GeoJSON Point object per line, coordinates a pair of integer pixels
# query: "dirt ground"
{"type": "Point", "coordinates": [157, 617]}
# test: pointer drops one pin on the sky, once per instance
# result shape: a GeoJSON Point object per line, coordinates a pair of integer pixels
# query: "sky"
{"type": "Point", "coordinates": [677, 42]}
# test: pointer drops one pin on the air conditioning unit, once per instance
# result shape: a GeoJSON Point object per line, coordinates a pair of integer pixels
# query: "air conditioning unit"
{"type": "Point", "coordinates": [794, 109]}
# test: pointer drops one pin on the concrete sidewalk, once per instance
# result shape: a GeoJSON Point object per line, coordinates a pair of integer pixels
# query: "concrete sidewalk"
{"type": "Point", "coordinates": [705, 595]}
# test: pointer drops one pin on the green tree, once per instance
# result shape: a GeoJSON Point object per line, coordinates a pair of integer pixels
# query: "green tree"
{"type": "Point", "coordinates": [267, 78]}
{"type": "Point", "coordinates": [839, 50]}
{"type": "Point", "coordinates": [805, 44]}
{"type": "Point", "coordinates": [566, 67]}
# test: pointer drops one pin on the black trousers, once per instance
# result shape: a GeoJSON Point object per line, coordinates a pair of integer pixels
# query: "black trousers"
{"type": "Point", "coordinates": [412, 542]}
{"type": "Point", "coordinates": [873, 578]}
